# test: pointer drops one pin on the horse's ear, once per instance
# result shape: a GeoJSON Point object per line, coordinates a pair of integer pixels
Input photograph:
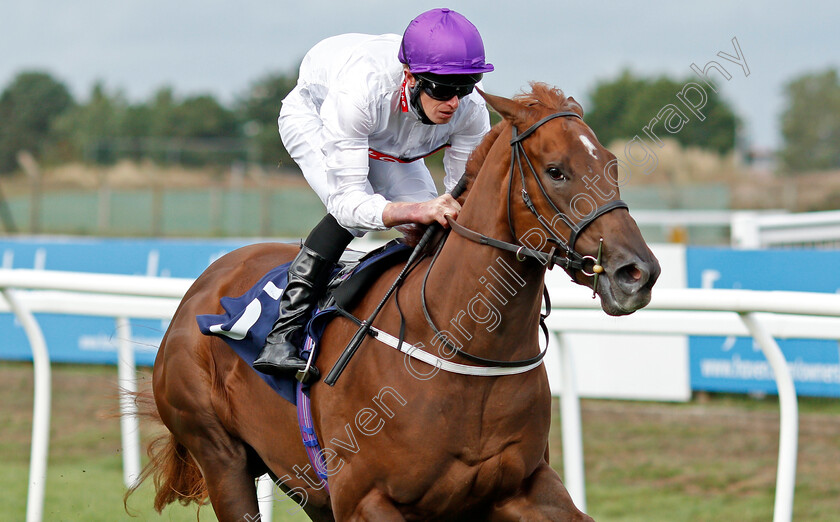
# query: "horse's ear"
{"type": "Point", "coordinates": [511, 110]}
{"type": "Point", "coordinates": [575, 106]}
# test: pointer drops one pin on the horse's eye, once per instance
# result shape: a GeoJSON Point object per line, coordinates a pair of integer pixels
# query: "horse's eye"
{"type": "Point", "coordinates": [556, 174]}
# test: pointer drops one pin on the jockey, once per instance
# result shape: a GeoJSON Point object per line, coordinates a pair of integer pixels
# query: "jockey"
{"type": "Point", "coordinates": [365, 111]}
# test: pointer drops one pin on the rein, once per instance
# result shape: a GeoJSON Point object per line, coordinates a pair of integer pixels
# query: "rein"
{"type": "Point", "coordinates": [475, 358]}
{"type": "Point", "coordinates": [568, 257]}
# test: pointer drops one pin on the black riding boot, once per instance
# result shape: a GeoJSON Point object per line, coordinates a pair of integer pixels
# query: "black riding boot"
{"type": "Point", "coordinates": [308, 276]}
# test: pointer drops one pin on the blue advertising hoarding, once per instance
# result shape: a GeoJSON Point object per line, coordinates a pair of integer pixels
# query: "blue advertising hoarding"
{"type": "Point", "coordinates": [94, 339]}
{"type": "Point", "coordinates": [716, 363]}
{"type": "Point", "coordinates": [736, 364]}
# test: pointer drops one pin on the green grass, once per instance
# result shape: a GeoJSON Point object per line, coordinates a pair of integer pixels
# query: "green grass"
{"type": "Point", "coordinates": [709, 460]}
{"type": "Point", "coordinates": [84, 470]}
{"type": "Point", "coordinates": [91, 490]}
{"type": "Point", "coordinates": [712, 459]}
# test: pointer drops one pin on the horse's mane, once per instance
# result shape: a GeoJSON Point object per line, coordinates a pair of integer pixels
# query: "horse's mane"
{"type": "Point", "coordinates": [547, 96]}
{"type": "Point", "coordinates": [479, 154]}
{"type": "Point", "coordinates": [541, 94]}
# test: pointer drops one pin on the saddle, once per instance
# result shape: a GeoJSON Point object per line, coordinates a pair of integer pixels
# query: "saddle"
{"type": "Point", "coordinates": [248, 318]}
{"type": "Point", "coordinates": [358, 270]}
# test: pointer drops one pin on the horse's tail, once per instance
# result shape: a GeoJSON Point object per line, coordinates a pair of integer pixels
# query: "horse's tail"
{"type": "Point", "coordinates": [176, 474]}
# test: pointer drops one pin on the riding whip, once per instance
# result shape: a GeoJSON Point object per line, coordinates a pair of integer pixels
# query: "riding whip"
{"type": "Point", "coordinates": [364, 329]}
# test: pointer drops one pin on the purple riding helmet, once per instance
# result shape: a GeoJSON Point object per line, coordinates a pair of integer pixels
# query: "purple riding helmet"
{"type": "Point", "coordinates": [444, 51]}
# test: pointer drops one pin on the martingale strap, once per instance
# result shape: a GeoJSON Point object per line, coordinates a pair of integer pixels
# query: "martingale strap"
{"type": "Point", "coordinates": [493, 369]}
{"type": "Point", "coordinates": [490, 368]}
{"type": "Point", "coordinates": [446, 365]}
{"type": "Point", "coordinates": [475, 358]}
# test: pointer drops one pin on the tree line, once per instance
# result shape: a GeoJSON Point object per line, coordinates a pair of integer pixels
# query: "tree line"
{"type": "Point", "coordinates": [39, 114]}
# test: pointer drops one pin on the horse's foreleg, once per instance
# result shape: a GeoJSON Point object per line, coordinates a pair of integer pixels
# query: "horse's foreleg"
{"type": "Point", "coordinates": [541, 497]}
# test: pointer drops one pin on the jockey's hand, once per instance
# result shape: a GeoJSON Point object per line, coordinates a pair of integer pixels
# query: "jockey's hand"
{"type": "Point", "coordinates": [423, 213]}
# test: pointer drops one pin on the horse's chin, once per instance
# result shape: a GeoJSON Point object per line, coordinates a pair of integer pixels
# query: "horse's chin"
{"type": "Point", "coordinates": [617, 303]}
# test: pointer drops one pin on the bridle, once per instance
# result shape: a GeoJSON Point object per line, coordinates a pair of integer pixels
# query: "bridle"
{"type": "Point", "coordinates": [567, 257]}
{"type": "Point", "coordinates": [562, 253]}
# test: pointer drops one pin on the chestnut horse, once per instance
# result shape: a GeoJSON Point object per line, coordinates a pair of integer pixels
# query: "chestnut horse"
{"type": "Point", "coordinates": [402, 440]}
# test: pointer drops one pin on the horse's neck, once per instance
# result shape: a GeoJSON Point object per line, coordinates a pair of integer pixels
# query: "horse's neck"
{"type": "Point", "coordinates": [490, 297]}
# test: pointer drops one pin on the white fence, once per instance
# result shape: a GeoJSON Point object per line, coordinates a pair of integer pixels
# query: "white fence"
{"type": "Point", "coordinates": [756, 230]}
{"type": "Point", "coordinates": [760, 314]}
{"type": "Point", "coordinates": [694, 312]}
{"type": "Point", "coordinates": [31, 291]}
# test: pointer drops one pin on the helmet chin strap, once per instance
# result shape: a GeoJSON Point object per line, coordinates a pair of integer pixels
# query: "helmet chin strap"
{"type": "Point", "coordinates": [414, 98]}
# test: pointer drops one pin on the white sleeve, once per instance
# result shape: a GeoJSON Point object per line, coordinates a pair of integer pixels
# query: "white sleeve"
{"type": "Point", "coordinates": [348, 121]}
{"type": "Point", "coordinates": [468, 136]}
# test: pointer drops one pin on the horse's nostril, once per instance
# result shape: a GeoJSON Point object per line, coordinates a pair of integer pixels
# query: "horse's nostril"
{"type": "Point", "coordinates": [631, 276]}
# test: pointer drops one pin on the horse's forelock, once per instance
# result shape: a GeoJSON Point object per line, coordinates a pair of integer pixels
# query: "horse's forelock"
{"type": "Point", "coordinates": [543, 94]}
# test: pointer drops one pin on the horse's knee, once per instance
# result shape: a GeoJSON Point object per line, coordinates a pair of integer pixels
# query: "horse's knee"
{"type": "Point", "coordinates": [541, 497]}
{"type": "Point", "coordinates": [230, 486]}
{"type": "Point", "coordinates": [223, 462]}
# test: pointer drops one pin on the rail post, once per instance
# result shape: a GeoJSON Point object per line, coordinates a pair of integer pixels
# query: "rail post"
{"type": "Point", "coordinates": [573, 469]}
{"type": "Point", "coordinates": [788, 418]}
{"type": "Point", "coordinates": [41, 410]}
{"type": "Point", "coordinates": [129, 424]}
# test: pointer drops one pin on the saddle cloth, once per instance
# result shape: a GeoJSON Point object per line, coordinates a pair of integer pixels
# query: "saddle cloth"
{"type": "Point", "coordinates": [248, 319]}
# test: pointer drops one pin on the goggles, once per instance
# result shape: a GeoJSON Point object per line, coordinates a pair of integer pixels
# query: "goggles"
{"type": "Point", "coordinates": [440, 91]}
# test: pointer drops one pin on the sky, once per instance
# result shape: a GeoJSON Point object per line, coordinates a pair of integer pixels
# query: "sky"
{"type": "Point", "coordinates": [222, 47]}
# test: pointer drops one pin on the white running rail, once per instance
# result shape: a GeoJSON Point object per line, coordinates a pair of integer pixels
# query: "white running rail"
{"type": "Point", "coordinates": [104, 295]}
{"type": "Point", "coordinates": [27, 292]}
{"type": "Point", "coordinates": [759, 314]}
{"type": "Point", "coordinates": [761, 230]}
{"type": "Point", "coordinates": [672, 311]}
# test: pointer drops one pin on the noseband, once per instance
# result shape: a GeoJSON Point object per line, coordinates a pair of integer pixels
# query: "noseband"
{"type": "Point", "coordinates": [562, 253]}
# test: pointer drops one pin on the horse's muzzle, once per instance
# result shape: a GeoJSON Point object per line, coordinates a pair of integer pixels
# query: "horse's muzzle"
{"type": "Point", "coordinates": [628, 287]}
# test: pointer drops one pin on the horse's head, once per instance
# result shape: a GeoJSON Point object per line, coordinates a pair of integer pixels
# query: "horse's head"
{"type": "Point", "coordinates": [571, 199]}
